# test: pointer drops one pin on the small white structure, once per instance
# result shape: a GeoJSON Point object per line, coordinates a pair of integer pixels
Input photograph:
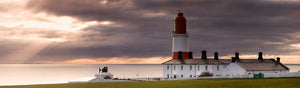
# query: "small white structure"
{"type": "Point", "coordinates": [103, 76]}
{"type": "Point", "coordinates": [260, 67]}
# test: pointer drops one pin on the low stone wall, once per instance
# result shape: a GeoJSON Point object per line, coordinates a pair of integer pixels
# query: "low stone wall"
{"type": "Point", "coordinates": [275, 75]}
{"type": "Point", "coordinates": [212, 77]}
{"type": "Point", "coordinates": [236, 76]}
{"type": "Point", "coordinates": [266, 75]}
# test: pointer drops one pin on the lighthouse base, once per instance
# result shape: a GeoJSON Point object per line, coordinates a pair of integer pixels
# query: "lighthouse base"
{"type": "Point", "coordinates": [101, 77]}
{"type": "Point", "coordinates": [104, 75]}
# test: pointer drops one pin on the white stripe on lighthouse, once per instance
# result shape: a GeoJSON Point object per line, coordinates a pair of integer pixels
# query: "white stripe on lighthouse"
{"type": "Point", "coordinates": [180, 43]}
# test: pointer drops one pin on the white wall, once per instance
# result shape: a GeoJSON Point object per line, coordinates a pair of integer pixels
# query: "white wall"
{"type": "Point", "coordinates": [287, 74]}
{"type": "Point", "coordinates": [194, 72]}
{"type": "Point", "coordinates": [233, 69]}
{"type": "Point", "coordinates": [224, 70]}
{"type": "Point", "coordinates": [275, 71]}
{"type": "Point", "coordinates": [176, 70]}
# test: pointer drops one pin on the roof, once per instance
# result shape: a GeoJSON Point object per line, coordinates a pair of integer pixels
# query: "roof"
{"type": "Point", "coordinates": [264, 65]}
{"type": "Point", "coordinates": [198, 61]}
{"type": "Point", "coordinates": [247, 64]}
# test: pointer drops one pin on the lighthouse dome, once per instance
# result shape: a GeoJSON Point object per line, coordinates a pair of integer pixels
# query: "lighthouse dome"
{"type": "Point", "coordinates": [180, 24]}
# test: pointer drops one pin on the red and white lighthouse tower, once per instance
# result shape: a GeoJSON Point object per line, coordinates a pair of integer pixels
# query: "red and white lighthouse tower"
{"type": "Point", "coordinates": [180, 37]}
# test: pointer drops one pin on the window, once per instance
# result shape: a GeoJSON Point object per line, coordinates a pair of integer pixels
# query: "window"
{"type": "Point", "coordinates": [205, 67]}
{"type": "Point", "coordinates": [181, 75]}
{"type": "Point", "coordinates": [175, 76]}
{"type": "Point", "coordinates": [191, 76]}
{"type": "Point", "coordinates": [218, 69]}
{"type": "Point", "coordinates": [198, 67]}
{"type": "Point", "coordinates": [181, 67]}
{"type": "Point", "coordinates": [168, 75]}
{"type": "Point", "coordinates": [167, 67]}
{"type": "Point", "coordinates": [191, 67]}
{"type": "Point", "coordinates": [174, 67]}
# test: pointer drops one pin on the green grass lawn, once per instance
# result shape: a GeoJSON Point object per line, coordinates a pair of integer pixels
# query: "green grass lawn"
{"type": "Point", "coordinates": [202, 83]}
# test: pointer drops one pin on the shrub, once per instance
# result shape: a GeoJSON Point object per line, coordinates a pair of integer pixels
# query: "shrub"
{"type": "Point", "coordinates": [107, 77]}
{"type": "Point", "coordinates": [115, 78]}
{"type": "Point", "coordinates": [203, 74]}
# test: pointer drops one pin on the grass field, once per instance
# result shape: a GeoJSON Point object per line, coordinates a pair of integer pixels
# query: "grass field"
{"type": "Point", "coordinates": [202, 83]}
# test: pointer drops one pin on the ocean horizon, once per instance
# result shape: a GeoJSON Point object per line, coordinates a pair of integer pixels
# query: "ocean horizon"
{"type": "Point", "coordinates": [26, 74]}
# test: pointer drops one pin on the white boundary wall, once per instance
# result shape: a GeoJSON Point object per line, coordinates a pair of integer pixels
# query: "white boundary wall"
{"type": "Point", "coordinates": [289, 74]}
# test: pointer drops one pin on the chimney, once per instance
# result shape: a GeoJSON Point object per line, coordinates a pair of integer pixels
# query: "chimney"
{"type": "Point", "coordinates": [191, 55]}
{"type": "Point", "coordinates": [179, 55]}
{"type": "Point", "coordinates": [278, 60]}
{"type": "Point", "coordinates": [260, 56]}
{"type": "Point", "coordinates": [233, 59]}
{"type": "Point", "coordinates": [216, 56]}
{"type": "Point", "coordinates": [237, 55]}
{"type": "Point", "coordinates": [204, 55]}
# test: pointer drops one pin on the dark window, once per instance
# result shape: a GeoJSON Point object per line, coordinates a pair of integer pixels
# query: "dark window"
{"type": "Point", "coordinates": [198, 67]}
{"type": "Point", "coordinates": [206, 68]}
{"type": "Point", "coordinates": [174, 67]}
{"type": "Point", "coordinates": [218, 69]}
{"type": "Point", "coordinates": [181, 76]}
{"type": "Point", "coordinates": [191, 67]}
{"type": "Point", "coordinates": [181, 67]}
{"type": "Point", "coordinates": [175, 76]}
{"type": "Point", "coordinates": [168, 67]}
{"type": "Point", "coordinates": [191, 76]}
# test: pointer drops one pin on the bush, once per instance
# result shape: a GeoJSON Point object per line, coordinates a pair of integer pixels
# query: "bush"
{"type": "Point", "coordinates": [203, 74]}
{"type": "Point", "coordinates": [107, 77]}
{"type": "Point", "coordinates": [115, 78]}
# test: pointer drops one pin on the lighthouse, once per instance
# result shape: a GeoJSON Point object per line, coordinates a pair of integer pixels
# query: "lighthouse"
{"type": "Point", "coordinates": [180, 38]}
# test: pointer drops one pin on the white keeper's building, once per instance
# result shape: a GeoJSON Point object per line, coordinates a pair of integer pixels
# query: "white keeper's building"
{"type": "Point", "coordinates": [183, 65]}
{"type": "Point", "coordinates": [188, 68]}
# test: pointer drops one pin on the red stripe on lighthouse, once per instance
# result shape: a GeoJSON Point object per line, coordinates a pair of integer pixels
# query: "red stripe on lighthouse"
{"type": "Point", "coordinates": [180, 24]}
{"type": "Point", "coordinates": [185, 55]}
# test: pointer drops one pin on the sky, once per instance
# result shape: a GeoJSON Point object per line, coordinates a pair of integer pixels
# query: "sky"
{"type": "Point", "coordinates": [139, 31]}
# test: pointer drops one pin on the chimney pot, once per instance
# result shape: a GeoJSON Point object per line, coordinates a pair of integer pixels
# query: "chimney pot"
{"type": "Point", "coordinates": [237, 55]}
{"type": "Point", "coordinates": [216, 56]}
{"type": "Point", "coordinates": [233, 59]}
{"type": "Point", "coordinates": [278, 59]}
{"type": "Point", "coordinates": [204, 55]}
{"type": "Point", "coordinates": [260, 56]}
{"type": "Point", "coordinates": [179, 55]}
{"type": "Point", "coordinates": [191, 55]}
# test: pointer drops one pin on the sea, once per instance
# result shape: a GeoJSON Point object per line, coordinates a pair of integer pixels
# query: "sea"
{"type": "Point", "coordinates": [27, 74]}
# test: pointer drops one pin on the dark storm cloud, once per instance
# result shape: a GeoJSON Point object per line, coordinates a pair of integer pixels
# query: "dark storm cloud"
{"type": "Point", "coordinates": [215, 25]}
